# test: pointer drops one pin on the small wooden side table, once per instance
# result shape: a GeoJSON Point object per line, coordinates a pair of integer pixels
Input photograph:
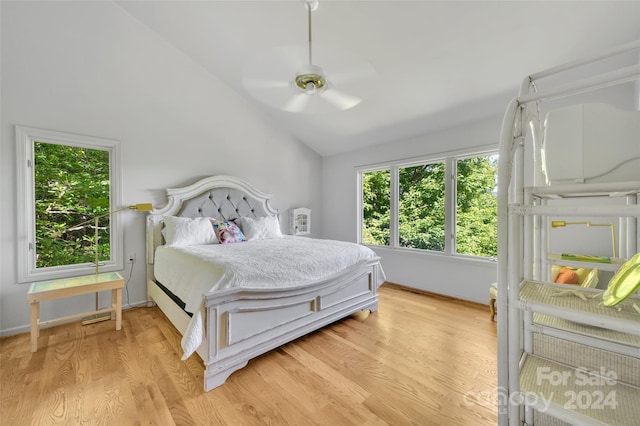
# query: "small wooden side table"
{"type": "Point", "coordinates": [74, 286]}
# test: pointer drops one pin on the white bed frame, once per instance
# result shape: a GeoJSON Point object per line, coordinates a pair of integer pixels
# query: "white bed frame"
{"type": "Point", "coordinates": [242, 324]}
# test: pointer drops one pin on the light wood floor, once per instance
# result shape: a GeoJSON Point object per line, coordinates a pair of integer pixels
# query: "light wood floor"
{"type": "Point", "coordinates": [421, 359]}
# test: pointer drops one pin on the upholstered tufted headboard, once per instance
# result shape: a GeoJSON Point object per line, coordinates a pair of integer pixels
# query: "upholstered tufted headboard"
{"type": "Point", "coordinates": [221, 197]}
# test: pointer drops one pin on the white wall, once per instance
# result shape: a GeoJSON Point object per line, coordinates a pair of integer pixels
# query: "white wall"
{"type": "Point", "coordinates": [454, 276]}
{"type": "Point", "coordinates": [90, 68]}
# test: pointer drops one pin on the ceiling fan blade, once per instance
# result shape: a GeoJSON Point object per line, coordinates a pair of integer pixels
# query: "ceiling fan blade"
{"type": "Point", "coordinates": [340, 99]}
{"type": "Point", "coordinates": [297, 103]}
{"type": "Point", "coordinates": [257, 84]}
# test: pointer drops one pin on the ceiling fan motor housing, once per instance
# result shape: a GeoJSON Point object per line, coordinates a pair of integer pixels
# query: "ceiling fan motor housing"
{"type": "Point", "coordinates": [311, 79]}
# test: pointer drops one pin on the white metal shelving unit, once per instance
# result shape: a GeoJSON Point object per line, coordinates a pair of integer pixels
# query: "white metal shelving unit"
{"type": "Point", "coordinates": [563, 357]}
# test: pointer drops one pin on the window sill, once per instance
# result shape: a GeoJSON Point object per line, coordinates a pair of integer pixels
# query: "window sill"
{"type": "Point", "coordinates": [434, 254]}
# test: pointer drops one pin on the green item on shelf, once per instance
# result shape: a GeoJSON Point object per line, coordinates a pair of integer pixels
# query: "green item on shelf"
{"type": "Point", "coordinates": [585, 258]}
{"type": "Point", "coordinates": [624, 283]}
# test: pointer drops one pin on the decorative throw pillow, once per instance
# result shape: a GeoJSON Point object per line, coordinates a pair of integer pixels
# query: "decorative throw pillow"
{"type": "Point", "coordinates": [227, 231]}
{"type": "Point", "coordinates": [184, 231]}
{"type": "Point", "coordinates": [567, 276]}
{"type": "Point", "coordinates": [262, 228]}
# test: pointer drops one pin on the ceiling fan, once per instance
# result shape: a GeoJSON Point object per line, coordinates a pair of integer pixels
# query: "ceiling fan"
{"type": "Point", "coordinates": [280, 78]}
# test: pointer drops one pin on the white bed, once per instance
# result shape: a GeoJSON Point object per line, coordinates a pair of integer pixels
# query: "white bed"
{"type": "Point", "coordinates": [243, 307]}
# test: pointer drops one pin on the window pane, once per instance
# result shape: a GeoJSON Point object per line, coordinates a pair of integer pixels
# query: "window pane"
{"type": "Point", "coordinates": [376, 190]}
{"type": "Point", "coordinates": [72, 185]}
{"type": "Point", "coordinates": [476, 204]}
{"type": "Point", "coordinates": [422, 207]}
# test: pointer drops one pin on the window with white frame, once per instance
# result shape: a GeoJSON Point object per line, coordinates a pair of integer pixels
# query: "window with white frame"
{"type": "Point", "coordinates": [446, 205]}
{"type": "Point", "coordinates": [65, 181]}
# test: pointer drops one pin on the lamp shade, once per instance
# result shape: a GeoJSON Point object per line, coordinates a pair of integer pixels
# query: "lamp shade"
{"type": "Point", "coordinates": [144, 207]}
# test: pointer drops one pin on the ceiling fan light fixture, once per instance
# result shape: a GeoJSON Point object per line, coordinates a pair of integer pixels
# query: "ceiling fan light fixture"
{"type": "Point", "coordinates": [311, 89]}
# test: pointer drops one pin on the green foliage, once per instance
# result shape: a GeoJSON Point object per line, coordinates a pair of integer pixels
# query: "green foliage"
{"type": "Point", "coordinates": [477, 207]}
{"type": "Point", "coordinates": [71, 186]}
{"type": "Point", "coordinates": [376, 207]}
{"type": "Point", "coordinates": [421, 209]}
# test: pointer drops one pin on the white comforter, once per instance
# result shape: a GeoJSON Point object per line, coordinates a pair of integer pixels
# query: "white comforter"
{"type": "Point", "coordinates": [190, 272]}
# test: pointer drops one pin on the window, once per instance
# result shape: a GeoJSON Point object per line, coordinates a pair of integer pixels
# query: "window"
{"type": "Point", "coordinates": [477, 206]}
{"type": "Point", "coordinates": [65, 181]}
{"type": "Point", "coordinates": [422, 206]}
{"type": "Point", "coordinates": [418, 204]}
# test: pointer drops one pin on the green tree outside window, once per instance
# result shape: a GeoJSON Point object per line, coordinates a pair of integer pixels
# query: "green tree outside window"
{"type": "Point", "coordinates": [477, 206]}
{"type": "Point", "coordinates": [422, 207]}
{"type": "Point", "coordinates": [72, 185]}
{"type": "Point", "coordinates": [376, 207]}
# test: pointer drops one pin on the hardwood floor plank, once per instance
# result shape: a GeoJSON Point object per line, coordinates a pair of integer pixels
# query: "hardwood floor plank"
{"type": "Point", "coordinates": [387, 382]}
{"type": "Point", "coordinates": [421, 359]}
{"type": "Point", "coordinates": [292, 382]}
{"type": "Point", "coordinates": [330, 379]}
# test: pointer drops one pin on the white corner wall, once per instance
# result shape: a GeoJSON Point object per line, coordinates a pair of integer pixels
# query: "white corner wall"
{"type": "Point", "coordinates": [90, 68]}
{"type": "Point", "coordinates": [458, 277]}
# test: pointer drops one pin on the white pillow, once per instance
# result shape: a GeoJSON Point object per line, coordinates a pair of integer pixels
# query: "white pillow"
{"type": "Point", "coordinates": [184, 231]}
{"type": "Point", "coordinates": [262, 228]}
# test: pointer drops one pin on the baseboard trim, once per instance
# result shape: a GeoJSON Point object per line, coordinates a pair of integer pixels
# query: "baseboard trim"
{"type": "Point", "coordinates": [436, 295]}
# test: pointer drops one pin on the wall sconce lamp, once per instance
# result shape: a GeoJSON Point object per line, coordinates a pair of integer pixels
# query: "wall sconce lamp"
{"type": "Point", "coordinates": [562, 223]}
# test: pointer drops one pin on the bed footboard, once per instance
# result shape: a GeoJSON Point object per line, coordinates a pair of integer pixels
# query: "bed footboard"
{"type": "Point", "coordinates": [242, 324]}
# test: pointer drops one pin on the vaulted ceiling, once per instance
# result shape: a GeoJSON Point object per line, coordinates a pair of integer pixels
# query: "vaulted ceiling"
{"type": "Point", "coordinates": [417, 66]}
